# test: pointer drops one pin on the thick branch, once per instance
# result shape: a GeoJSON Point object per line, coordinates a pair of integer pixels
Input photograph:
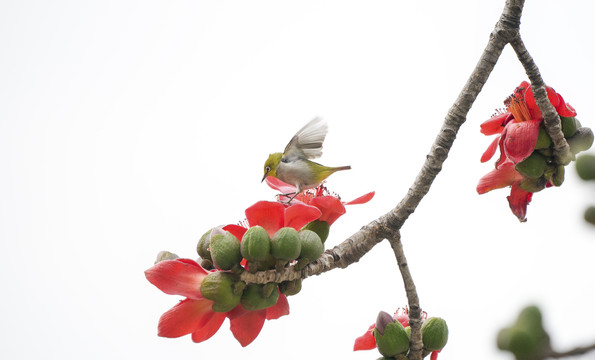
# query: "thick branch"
{"type": "Point", "coordinates": [551, 119]}
{"type": "Point", "coordinates": [412, 298]}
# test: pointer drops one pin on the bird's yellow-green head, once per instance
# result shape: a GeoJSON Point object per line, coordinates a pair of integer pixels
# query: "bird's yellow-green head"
{"type": "Point", "coordinates": [270, 166]}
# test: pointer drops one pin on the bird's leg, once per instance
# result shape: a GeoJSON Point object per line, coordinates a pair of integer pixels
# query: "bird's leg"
{"type": "Point", "coordinates": [290, 198]}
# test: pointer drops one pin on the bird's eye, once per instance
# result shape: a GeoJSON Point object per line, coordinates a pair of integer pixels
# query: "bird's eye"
{"type": "Point", "coordinates": [267, 169]}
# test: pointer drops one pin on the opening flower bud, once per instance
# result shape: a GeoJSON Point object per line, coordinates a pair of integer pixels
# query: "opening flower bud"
{"type": "Point", "coordinates": [391, 337]}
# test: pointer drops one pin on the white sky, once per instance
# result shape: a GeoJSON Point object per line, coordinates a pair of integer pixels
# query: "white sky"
{"type": "Point", "coordinates": [130, 127]}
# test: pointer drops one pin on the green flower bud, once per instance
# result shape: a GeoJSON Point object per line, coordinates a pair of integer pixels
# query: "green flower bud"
{"type": "Point", "coordinates": [165, 255]}
{"type": "Point", "coordinates": [533, 185]}
{"type": "Point", "coordinates": [225, 251]}
{"type": "Point", "coordinates": [434, 333]}
{"type": "Point", "coordinates": [569, 126]}
{"type": "Point", "coordinates": [526, 339]}
{"type": "Point", "coordinates": [285, 244]}
{"type": "Point", "coordinates": [311, 245]}
{"type": "Point", "coordinates": [219, 287]}
{"type": "Point", "coordinates": [544, 141]}
{"type": "Point", "coordinates": [254, 298]}
{"type": "Point", "coordinates": [202, 248]}
{"type": "Point", "coordinates": [581, 140]}
{"type": "Point", "coordinates": [558, 177]}
{"type": "Point", "coordinates": [321, 228]}
{"type": "Point", "coordinates": [585, 167]}
{"type": "Point", "coordinates": [533, 166]}
{"type": "Point", "coordinates": [256, 244]}
{"type": "Point", "coordinates": [391, 337]}
{"type": "Point", "coordinates": [291, 287]}
{"type": "Point", "coordinates": [590, 215]}
{"type": "Point", "coordinates": [518, 341]}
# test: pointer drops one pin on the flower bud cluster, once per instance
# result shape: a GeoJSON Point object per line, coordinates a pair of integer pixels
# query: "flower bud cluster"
{"type": "Point", "coordinates": [257, 251]}
{"type": "Point", "coordinates": [526, 339]}
{"type": "Point", "coordinates": [540, 168]}
{"type": "Point", "coordinates": [392, 338]}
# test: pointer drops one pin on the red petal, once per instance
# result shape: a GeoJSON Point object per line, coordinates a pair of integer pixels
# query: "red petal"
{"type": "Point", "coordinates": [498, 178]}
{"type": "Point", "coordinates": [366, 341]}
{"type": "Point", "coordinates": [184, 318]}
{"type": "Point", "coordinates": [270, 215]}
{"type": "Point", "coordinates": [298, 215]}
{"type": "Point", "coordinates": [362, 199]}
{"type": "Point", "coordinates": [279, 185]}
{"type": "Point", "coordinates": [208, 327]}
{"type": "Point", "coordinates": [177, 277]}
{"type": "Point", "coordinates": [236, 230]}
{"type": "Point", "coordinates": [330, 206]}
{"type": "Point", "coordinates": [281, 308]}
{"type": "Point", "coordinates": [245, 328]}
{"type": "Point", "coordinates": [518, 201]}
{"type": "Point", "coordinates": [495, 125]}
{"type": "Point", "coordinates": [434, 355]}
{"type": "Point", "coordinates": [520, 139]}
{"type": "Point", "coordinates": [491, 150]}
{"type": "Point", "coordinates": [403, 319]}
{"type": "Point", "coordinates": [565, 109]}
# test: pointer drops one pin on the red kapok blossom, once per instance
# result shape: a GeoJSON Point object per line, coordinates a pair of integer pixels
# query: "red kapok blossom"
{"type": "Point", "coordinates": [329, 204]}
{"type": "Point", "coordinates": [194, 315]}
{"type": "Point", "coordinates": [518, 127]}
{"type": "Point", "coordinates": [519, 124]}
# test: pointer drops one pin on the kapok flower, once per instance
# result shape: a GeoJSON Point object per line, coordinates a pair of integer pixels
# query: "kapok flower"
{"type": "Point", "coordinates": [518, 128]}
{"type": "Point", "coordinates": [194, 315]}
{"type": "Point", "coordinates": [328, 203]}
{"type": "Point", "coordinates": [519, 124]}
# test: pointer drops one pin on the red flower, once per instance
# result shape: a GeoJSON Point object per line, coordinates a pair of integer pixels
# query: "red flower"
{"type": "Point", "coordinates": [194, 315]}
{"type": "Point", "coordinates": [518, 127]}
{"type": "Point", "coordinates": [330, 205]}
{"type": "Point", "coordinates": [519, 124]}
{"type": "Point", "coordinates": [368, 342]}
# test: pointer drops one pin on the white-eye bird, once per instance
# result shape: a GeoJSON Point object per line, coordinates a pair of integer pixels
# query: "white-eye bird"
{"type": "Point", "coordinates": [294, 167]}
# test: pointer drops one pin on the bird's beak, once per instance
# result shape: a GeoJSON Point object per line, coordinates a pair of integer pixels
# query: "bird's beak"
{"type": "Point", "coordinates": [264, 177]}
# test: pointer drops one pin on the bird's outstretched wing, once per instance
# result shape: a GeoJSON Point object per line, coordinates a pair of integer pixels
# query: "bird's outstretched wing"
{"type": "Point", "coordinates": [307, 143]}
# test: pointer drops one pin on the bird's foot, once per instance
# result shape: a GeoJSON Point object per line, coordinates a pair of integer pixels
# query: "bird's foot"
{"type": "Point", "coordinates": [287, 196]}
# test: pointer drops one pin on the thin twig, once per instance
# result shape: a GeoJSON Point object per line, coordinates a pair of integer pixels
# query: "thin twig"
{"type": "Point", "coordinates": [574, 352]}
{"type": "Point", "coordinates": [412, 298]}
{"type": "Point", "coordinates": [551, 119]}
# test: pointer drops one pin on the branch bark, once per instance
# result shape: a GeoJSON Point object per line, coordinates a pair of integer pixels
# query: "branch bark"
{"type": "Point", "coordinates": [415, 320]}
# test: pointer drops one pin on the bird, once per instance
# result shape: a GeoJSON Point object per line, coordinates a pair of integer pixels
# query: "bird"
{"type": "Point", "coordinates": [293, 165]}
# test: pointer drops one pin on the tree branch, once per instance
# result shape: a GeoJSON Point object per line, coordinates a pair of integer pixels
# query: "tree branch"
{"type": "Point", "coordinates": [357, 245]}
{"type": "Point", "coordinates": [415, 320]}
{"type": "Point", "coordinates": [551, 119]}
{"type": "Point", "coordinates": [574, 352]}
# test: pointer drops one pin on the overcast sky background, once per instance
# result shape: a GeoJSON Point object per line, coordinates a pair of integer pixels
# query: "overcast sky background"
{"type": "Point", "coordinates": [130, 127]}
